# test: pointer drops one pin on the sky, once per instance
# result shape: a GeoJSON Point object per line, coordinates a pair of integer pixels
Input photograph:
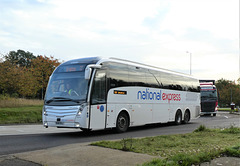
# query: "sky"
{"type": "Point", "coordinates": [162, 33]}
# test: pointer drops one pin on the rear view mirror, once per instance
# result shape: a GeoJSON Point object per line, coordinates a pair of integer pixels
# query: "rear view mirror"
{"type": "Point", "coordinates": [88, 70]}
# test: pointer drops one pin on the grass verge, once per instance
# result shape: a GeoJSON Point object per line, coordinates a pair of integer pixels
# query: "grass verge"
{"type": "Point", "coordinates": [183, 149]}
{"type": "Point", "coordinates": [18, 110]}
{"type": "Point", "coordinates": [17, 115]}
{"type": "Point", "coordinates": [228, 109]}
{"type": "Point", "coordinates": [19, 102]}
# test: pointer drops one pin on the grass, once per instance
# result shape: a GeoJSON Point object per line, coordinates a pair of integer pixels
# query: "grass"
{"type": "Point", "coordinates": [183, 149]}
{"type": "Point", "coordinates": [183, 159]}
{"type": "Point", "coordinates": [227, 109]}
{"type": "Point", "coordinates": [18, 111]}
{"type": "Point", "coordinates": [19, 102]}
{"type": "Point", "coordinates": [19, 115]}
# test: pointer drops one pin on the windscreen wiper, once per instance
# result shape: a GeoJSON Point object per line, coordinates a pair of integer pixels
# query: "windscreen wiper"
{"type": "Point", "coordinates": [61, 99]}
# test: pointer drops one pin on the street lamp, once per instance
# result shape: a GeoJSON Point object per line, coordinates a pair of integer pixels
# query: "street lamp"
{"type": "Point", "coordinates": [190, 62]}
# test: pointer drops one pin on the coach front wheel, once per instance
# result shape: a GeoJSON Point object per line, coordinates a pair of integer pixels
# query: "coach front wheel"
{"type": "Point", "coordinates": [122, 122]}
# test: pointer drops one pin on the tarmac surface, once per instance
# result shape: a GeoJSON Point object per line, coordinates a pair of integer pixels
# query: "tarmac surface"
{"type": "Point", "coordinates": [82, 154]}
{"type": "Point", "coordinates": [31, 129]}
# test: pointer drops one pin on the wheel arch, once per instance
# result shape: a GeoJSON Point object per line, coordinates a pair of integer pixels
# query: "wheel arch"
{"type": "Point", "coordinates": [122, 121]}
{"type": "Point", "coordinates": [126, 112]}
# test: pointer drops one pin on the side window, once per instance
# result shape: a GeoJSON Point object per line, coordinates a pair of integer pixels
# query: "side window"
{"type": "Point", "coordinates": [152, 79]}
{"type": "Point", "coordinates": [99, 88]}
{"type": "Point", "coordinates": [166, 82]}
{"type": "Point", "coordinates": [188, 84]}
{"type": "Point", "coordinates": [177, 82]}
{"type": "Point", "coordinates": [137, 76]}
{"type": "Point", "coordinates": [117, 74]}
{"type": "Point", "coordinates": [196, 87]}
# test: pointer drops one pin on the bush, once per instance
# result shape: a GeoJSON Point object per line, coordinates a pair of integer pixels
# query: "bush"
{"type": "Point", "coordinates": [201, 128]}
{"type": "Point", "coordinates": [4, 96]}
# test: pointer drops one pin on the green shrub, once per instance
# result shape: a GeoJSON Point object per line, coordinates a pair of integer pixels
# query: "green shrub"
{"type": "Point", "coordinates": [201, 128]}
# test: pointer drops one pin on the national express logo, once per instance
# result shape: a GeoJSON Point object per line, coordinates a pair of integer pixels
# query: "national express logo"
{"type": "Point", "coordinates": [157, 95]}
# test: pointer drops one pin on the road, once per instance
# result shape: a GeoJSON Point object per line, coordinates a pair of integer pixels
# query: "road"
{"type": "Point", "coordinates": [36, 137]}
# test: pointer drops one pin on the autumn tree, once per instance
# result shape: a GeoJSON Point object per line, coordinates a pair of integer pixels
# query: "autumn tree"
{"type": "Point", "coordinates": [26, 85]}
{"type": "Point", "coordinates": [9, 76]}
{"type": "Point", "coordinates": [42, 67]}
{"type": "Point", "coordinates": [25, 75]}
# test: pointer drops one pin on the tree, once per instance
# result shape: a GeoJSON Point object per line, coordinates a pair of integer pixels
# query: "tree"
{"type": "Point", "coordinates": [26, 85]}
{"type": "Point", "coordinates": [42, 68]}
{"type": "Point", "coordinates": [8, 77]}
{"type": "Point", "coordinates": [20, 58]}
{"type": "Point", "coordinates": [228, 91]}
{"type": "Point", "coordinates": [25, 75]}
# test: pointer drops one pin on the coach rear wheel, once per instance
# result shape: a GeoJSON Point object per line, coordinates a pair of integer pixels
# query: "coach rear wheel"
{"type": "Point", "coordinates": [186, 118]}
{"type": "Point", "coordinates": [178, 117]}
{"type": "Point", "coordinates": [122, 122]}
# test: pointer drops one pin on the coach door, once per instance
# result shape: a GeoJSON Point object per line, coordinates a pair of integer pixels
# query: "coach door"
{"type": "Point", "coordinates": [98, 101]}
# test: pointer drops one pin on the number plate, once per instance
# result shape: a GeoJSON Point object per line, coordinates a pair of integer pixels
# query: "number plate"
{"type": "Point", "coordinates": [59, 123]}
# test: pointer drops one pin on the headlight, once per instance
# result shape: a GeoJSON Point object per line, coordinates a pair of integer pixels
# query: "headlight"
{"type": "Point", "coordinates": [79, 113]}
{"type": "Point", "coordinates": [44, 111]}
{"type": "Point", "coordinates": [82, 106]}
{"type": "Point", "coordinates": [45, 124]}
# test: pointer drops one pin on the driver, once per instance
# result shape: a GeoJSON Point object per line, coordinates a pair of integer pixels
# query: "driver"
{"type": "Point", "coordinates": [69, 90]}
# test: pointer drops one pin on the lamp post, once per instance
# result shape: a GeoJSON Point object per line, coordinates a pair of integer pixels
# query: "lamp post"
{"type": "Point", "coordinates": [190, 61]}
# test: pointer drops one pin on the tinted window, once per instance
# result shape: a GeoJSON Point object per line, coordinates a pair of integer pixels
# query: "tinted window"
{"type": "Point", "coordinates": [137, 76]}
{"type": "Point", "coordinates": [196, 86]}
{"type": "Point", "coordinates": [99, 88]}
{"type": "Point", "coordinates": [177, 82]}
{"type": "Point", "coordinates": [124, 75]}
{"type": "Point", "coordinates": [117, 74]}
{"type": "Point", "coordinates": [151, 77]}
{"type": "Point", "coordinates": [166, 81]}
{"type": "Point", "coordinates": [191, 84]}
